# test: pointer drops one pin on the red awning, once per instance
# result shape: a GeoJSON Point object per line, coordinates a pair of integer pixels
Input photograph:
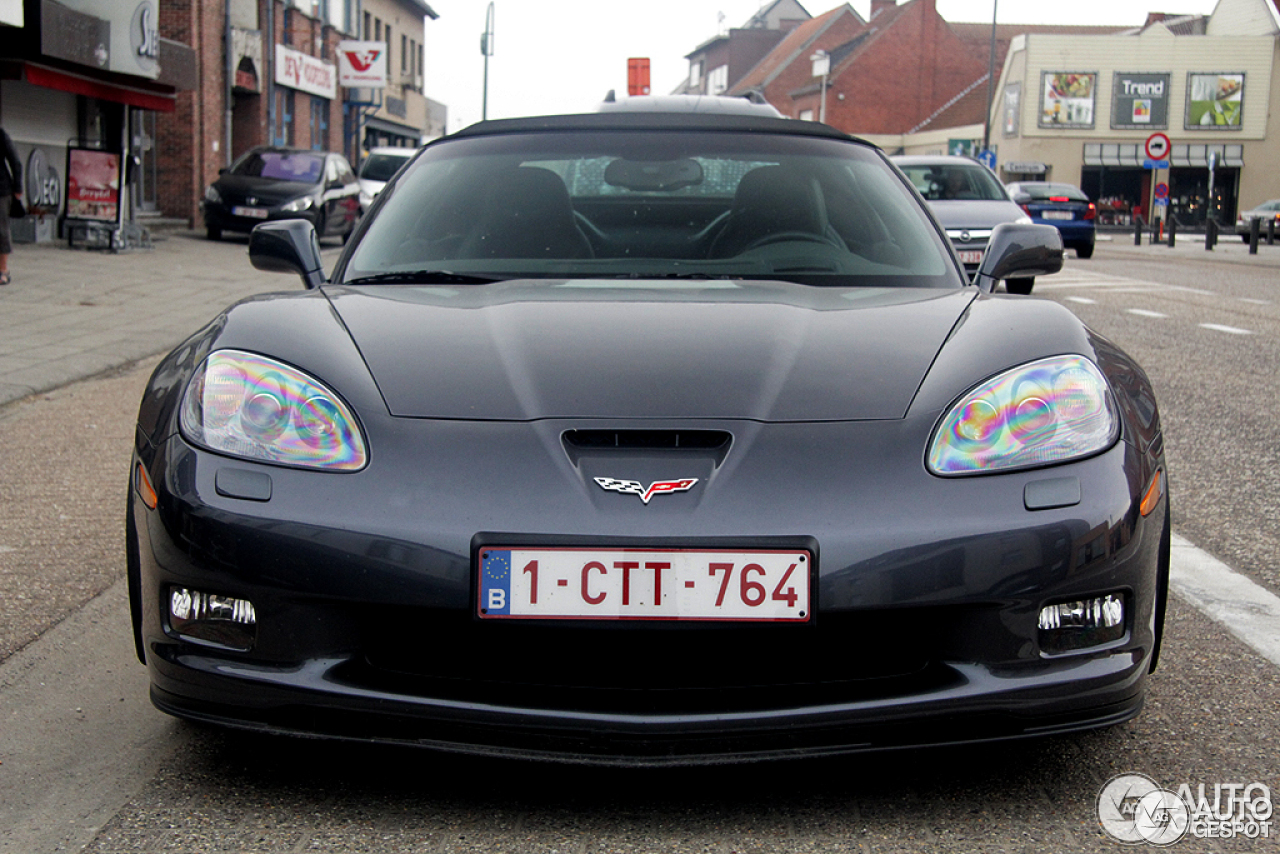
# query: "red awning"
{"type": "Point", "coordinates": [39, 75]}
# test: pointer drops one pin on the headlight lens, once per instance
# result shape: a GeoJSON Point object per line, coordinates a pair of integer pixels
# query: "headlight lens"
{"type": "Point", "coordinates": [211, 194]}
{"type": "Point", "coordinates": [1041, 413]}
{"type": "Point", "coordinates": [253, 407]}
{"type": "Point", "coordinates": [297, 205]}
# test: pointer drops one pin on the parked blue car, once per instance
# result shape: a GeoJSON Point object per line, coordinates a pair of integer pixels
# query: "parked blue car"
{"type": "Point", "coordinates": [1060, 205]}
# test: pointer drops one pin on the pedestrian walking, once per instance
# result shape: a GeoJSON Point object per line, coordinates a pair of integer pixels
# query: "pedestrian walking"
{"type": "Point", "coordinates": [10, 194]}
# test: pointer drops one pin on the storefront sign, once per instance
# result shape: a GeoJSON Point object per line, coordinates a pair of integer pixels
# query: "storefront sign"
{"type": "Point", "coordinates": [1214, 101]}
{"type": "Point", "coordinates": [1022, 167]}
{"type": "Point", "coordinates": [1140, 101]}
{"type": "Point", "coordinates": [298, 70]}
{"type": "Point", "coordinates": [93, 184]}
{"type": "Point", "coordinates": [1067, 100]}
{"type": "Point", "coordinates": [134, 33]}
{"type": "Point", "coordinates": [44, 187]}
{"type": "Point", "coordinates": [362, 65]}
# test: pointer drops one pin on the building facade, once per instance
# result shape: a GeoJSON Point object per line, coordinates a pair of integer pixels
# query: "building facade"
{"type": "Point", "coordinates": [1178, 118]}
{"type": "Point", "coordinates": [81, 85]}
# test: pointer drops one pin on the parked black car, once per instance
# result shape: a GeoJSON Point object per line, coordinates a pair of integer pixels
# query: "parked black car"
{"type": "Point", "coordinates": [649, 438]}
{"type": "Point", "coordinates": [271, 183]}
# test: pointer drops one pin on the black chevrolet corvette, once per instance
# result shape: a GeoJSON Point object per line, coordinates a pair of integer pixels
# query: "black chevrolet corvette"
{"type": "Point", "coordinates": [649, 437]}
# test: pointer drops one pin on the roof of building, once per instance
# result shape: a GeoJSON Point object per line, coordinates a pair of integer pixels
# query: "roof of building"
{"type": "Point", "coordinates": [791, 48]}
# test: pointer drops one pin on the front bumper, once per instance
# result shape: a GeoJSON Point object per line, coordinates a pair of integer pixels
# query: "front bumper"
{"type": "Point", "coordinates": [925, 629]}
{"type": "Point", "coordinates": [219, 216]}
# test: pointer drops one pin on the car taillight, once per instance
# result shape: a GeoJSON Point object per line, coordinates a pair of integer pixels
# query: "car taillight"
{"type": "Point", "coordinates": [1092, 212]}
{"type": "Point", "coordinates": [1026, 209]}
{"type": "Point", "coordinates": [1059, 198]}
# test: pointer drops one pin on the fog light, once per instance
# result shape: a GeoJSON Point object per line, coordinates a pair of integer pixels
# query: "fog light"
{"type": "Point", "coordinates": [1068, 626]}
{"type": "Point", "coordinates": [209, 618]}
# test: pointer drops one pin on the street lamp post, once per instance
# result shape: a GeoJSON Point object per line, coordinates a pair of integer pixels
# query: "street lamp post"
{"type": "Point", "coordinates": [486, 48]}
{"type": "Point", "coordinates": [821, 68]}
{"type": "Point", "coordinates": [991, 80]}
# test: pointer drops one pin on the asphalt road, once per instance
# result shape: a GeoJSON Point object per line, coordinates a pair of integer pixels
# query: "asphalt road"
{"type": "Point", "coordinates": [86, 763]}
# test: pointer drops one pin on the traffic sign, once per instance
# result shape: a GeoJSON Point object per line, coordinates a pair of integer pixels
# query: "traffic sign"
{"type": "Point", "coordinates": [1162, 190]}
{"type": "Point", "coordinates": [1158, 146]}
{"type": "Point", "coordinates": [988, 158]}
{"type": "Point", "coordinates": [1155, 164]}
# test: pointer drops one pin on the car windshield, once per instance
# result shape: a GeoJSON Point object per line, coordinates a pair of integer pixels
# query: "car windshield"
{"type": "Point", "coordinates": [652, 204]}
{"type": "Point", "coordinates": [955, 182]}
{"type": "Point", "coordinates": [380, 167]}
{"type": "Point", "coordinates": [1043, 192]}
{"type": "Point", "coordinates": [281, 165]}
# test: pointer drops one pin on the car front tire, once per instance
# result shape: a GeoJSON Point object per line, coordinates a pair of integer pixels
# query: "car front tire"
{"type": "Point", "coordinates": [213, 232]}
{"type": "Point", "coordinates": [1085, 251]}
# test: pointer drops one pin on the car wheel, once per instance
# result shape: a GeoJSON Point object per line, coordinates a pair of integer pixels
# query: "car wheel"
{"type": "Point", "coordinates": [213, 232]}
{"type": "Point", "coordinates": [1019, 286]}
{"type": "Point", "coordinates": [1085, 251]}
{"type": "Point", "coordinates": [1245, 238]}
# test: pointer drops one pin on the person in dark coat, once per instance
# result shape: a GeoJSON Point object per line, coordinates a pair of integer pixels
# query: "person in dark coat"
{"type": "Point", "coordinates": [10, 187]}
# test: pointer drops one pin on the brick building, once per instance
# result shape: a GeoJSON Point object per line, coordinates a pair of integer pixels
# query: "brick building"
{"type": "Point", "coordinates": [278, 84]}
{"type": "Point", "coordinates": [903, 71]}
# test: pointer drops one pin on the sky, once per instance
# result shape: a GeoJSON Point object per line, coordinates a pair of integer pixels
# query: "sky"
{"type": "Point", "coordinates": [562, 56]}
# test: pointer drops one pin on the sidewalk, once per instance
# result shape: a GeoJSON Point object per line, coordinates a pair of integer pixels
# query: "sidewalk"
{"type": "Point", "coordinates": [72, 313]}
{"type": "Point", "coordinates": [1230, 249]}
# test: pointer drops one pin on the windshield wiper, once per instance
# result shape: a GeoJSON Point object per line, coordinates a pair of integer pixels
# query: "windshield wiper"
{"type": "Point", "coordinates": [424, 277]}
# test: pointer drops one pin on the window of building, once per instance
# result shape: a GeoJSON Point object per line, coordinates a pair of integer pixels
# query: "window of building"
{"type": "Point", "coordinates": [404, 54]}
{"type": "Point", "coordinates": [695, 74]}
{"type": "Point", "coordinates": [718, 80]}
{"type": "Point", "coordinates": [368, 26]}
{"type": "Point", "coordinates": [319, 123]}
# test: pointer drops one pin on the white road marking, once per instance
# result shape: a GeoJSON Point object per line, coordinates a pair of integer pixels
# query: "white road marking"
{"type": "Point", "coordinates": [1143, 312]}
{"type": "Point", "coordinates": [1232, 330]}
{"type": "Point", "coordinates": [1255, 301]}
{"type": "Point", "coordinates": [1082, 300]}
{"type": "Point", "coordinates": [1246, 609]}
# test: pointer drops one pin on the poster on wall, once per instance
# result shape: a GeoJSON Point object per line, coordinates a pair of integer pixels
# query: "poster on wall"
{"type": "Point", "coordinates": [1140, 101]}
{"type": "Point", "coordinates": [1012, 107]}
{"type": "Point", "coordinates": [93, 184]}
{"type": "Point", "coordinates": [1214, 100]}
{"type": "Point", "coordinates": [1068, 100]}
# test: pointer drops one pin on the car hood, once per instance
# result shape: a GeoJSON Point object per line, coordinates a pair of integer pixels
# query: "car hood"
{"type": "Point", "coordinates": [268, 191]}
{"type": "Point", "coordinates": [974, 214]}
{"type": "Point", "coordinates": [768, 351]}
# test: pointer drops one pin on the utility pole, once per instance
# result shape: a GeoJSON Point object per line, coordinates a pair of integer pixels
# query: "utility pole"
{"type": "Point", "coordinates": [486, 48]}
{"type": "Point", "coordinates": [991, 80]}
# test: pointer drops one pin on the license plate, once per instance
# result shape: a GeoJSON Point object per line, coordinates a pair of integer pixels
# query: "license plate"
{"type": "Point", "coordinates": [1058, 215]}
{"type": "Point", "coordinates": [255, 213]}
{"type": "Point", "coordinates": [644, 584]}
{"type": "Point", "coordinates": [970, 256]}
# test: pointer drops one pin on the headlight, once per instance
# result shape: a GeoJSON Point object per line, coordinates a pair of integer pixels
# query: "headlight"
{"type": "Point", "coordinates": [297, 205]}
{"type": "Point", "coordinates": [211, 195]}
{"type": "Point", "coordinates": [1041, 413]}
{"type": "Point", "coordinates": [257, 408]}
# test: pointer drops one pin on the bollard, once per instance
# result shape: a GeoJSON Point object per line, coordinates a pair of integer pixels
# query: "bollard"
{"type": "Point", "coordinates": [1255, 228]}
{"type": "Point", "coordinates": [1173, 232]}
{"type": "Point", "coordinates": [1210, 234]}
{"type": "Point", "coordinates": [1137, 231]}
{"type": "Point", "coordinates": [1271, 232]}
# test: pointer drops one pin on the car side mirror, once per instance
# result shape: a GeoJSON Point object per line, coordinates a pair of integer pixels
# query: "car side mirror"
{"type": "Point", "coordinates": [1018, 250]}
{"type": "Point", "coordinates": [1022, 199]}
{"type": "Point", "coordinates": [288, 246]}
